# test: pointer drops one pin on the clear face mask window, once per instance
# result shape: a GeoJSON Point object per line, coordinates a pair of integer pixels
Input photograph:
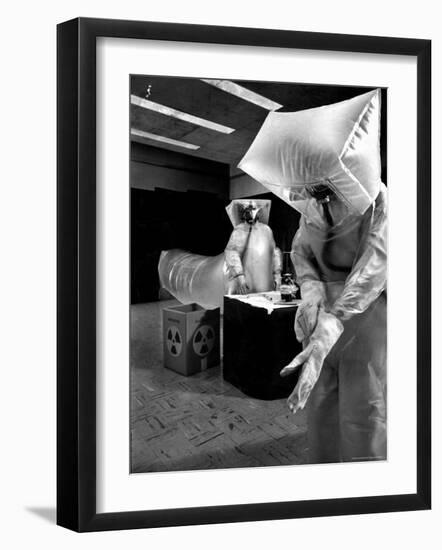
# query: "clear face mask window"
{"type": "Point", "coordinates": [250, 213]}
{"type": "Point", "coordinates": [320, 192]}
{"type": "Point", "coordinates": [321, 205]}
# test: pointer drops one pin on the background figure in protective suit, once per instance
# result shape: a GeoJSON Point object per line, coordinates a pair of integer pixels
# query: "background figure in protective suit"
{"type": "Point", "coordinates": [253, 261]}
{"type": "Point", "coordinates": [331, 174]}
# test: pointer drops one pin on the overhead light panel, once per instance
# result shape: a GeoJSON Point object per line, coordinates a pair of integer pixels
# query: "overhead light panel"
{"type": "Point", "coordinates": [168, 111]}
{"type": "Point", "coordinates": [164, 139]}
{"type": "Point", "coordinates": [243, 93]}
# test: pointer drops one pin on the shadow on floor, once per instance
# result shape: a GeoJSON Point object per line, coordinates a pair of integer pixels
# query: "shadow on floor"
{"type": "Point", "coordinates": [46, 513]}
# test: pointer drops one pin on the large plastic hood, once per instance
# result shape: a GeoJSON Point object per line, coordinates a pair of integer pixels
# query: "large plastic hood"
{"type": "Point", "coordinates": [336, 144]}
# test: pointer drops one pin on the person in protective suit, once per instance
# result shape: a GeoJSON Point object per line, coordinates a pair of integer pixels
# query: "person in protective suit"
{"type": "Point", "coordinates": [342, 323]}
{"type": "Point", "coordinates": [325, 163]}
{"type": "Point", "coordinates": [250, 263]}
{"type": "Point", "coordinates": [253, 261]}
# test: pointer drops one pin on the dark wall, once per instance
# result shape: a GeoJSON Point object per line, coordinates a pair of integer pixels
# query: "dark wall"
{"type": "Point", "coordinates": [162, 219]}
{"type": "Point", "coordinates": [152, 167]}
{"type": "Point", "coordinates": [284, 222]}
{"type": "Point", "coordinates": [177, 201]}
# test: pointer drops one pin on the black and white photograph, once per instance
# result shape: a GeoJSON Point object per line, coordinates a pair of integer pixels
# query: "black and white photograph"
{"type": "Point", "coordinates": [220, 275]}
{"type": "Point", "coordinates": [258, 272]}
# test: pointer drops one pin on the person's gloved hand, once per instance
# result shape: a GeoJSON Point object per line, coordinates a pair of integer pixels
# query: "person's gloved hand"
{"type": "Point", "coordinates": [241, 286]}
{"type": "Point", "coordinates": [313, 297]}
{"type": "Point", "coordinates": [327, 332]}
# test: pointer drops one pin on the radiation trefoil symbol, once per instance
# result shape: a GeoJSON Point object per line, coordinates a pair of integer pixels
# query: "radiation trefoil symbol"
{"type": "Point", "coordinates": [174, 341]}
{"type": "Point", "coordinates": [203, 340]}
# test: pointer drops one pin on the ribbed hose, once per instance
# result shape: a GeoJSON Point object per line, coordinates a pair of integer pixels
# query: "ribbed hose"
{"type": "Point", "coordinates": [193, 278]}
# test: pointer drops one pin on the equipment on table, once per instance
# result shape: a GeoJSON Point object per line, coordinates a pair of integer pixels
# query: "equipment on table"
{"type": "Point", "coordinates": [288, 288]}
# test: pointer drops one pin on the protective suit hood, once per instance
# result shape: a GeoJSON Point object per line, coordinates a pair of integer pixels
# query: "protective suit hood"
{"type": "Point", "coordinates": [337, 145]}
{"type": "Point", "coordinates": [235, 208]}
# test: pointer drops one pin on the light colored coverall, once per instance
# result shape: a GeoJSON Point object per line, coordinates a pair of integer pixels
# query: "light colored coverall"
{"type": "Point", "coordinates": [253, 261]}
{"type": "Point", "coordinates": [340, 258]}
{"type": "Point", "coordinates": [346, 410]}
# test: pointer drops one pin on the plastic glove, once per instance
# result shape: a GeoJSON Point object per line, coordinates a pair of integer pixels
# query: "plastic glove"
{"type": "Point", "coordinates": [241, 287]}
{"type": "Point", "coordinates": [327, 332]}
{"type": "Point", "coordinates": [313, 297]}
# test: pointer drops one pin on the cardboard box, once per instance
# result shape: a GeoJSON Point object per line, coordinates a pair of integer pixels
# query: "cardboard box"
{"type": "Point", "coordinates": [191, 338]}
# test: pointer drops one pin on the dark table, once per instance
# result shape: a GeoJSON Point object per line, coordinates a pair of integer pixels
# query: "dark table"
{"type": "Point", "coordinates": [257, 345]}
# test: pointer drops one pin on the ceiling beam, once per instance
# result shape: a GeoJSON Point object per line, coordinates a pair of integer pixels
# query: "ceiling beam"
{"type": "Point", "coordinates": [244, 93]}
{"type": "Point", "coordinates": [163, 139]}
{"type": "Point", "coordinates": [169, 111]}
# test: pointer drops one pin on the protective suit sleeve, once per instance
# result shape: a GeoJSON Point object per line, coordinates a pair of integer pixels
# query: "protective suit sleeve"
{"type": "Point", "coordinates": [368, 277]}
{"type": "Point", "coordinates": [234, 250]}
{"type": "Point", "coordinates": [325, 335]}
{"type": "Point", "coordinates": [313, 297]}
{"type": "Point", "coordinates": [313, 293]}
{"type": "Point", "coordinates": [192, 277]}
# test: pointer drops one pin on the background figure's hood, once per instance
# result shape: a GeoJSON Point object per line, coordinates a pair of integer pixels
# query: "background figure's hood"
{"type": "Point", "coordinates": [235, 208]}
{"type": "Point", "coordinates": [335, 144]}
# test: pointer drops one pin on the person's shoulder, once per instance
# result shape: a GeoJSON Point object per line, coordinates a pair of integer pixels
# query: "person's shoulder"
{"type": "Point", "coordinates": [381, 199]}
{"type": "Point", "coordinates": [376, 216]}
{"type": "Point", "coordinates": [263, 226]}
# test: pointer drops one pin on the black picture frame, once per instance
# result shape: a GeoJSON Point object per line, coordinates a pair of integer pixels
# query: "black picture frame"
{"type": "Point", "coordinates": [76, 273]}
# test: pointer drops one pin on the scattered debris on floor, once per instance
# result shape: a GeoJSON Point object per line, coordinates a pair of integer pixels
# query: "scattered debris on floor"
{"type": "Point", "coordinates": [200, 421]}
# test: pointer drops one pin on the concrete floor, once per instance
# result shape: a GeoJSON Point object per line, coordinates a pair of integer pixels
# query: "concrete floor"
{"type": "Point", "coordinates": [200, 421]}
